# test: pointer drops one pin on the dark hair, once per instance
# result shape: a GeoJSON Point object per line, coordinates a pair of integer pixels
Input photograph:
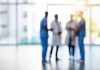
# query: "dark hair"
{"type": "Point", "coordinates": [56, 15]}
{"type": "Point", "coordinates": [46, 12]}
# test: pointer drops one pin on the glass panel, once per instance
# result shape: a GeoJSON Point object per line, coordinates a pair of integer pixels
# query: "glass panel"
{"type": "Point", "coordinates": [7, 24]}
{"type": "Point", "coordinates": [29, 17]}
{"type": "Point", "coordinates": [61, 1]}
{"type": "Point", "coordinates": [12, 1]}
{"type": "Point", "coordinates": [7, 1]}
{"type": "Point", "coordinates": [4, 1]}
{"type": "Point", "coordinates": [38, 15]}
{"type": "Point", "coordinates": [4, 24]}
{"type": "Point", "coordinates": [24, 21]}
{"type": "Point", "coordinates": [25, 1]}
{"type": "Point", "coordinates": [22, 1]}
{"type": "Point", "coordinates": [48, 1]}
{"type": "Point", "coordinates": [63, 16]}
{"type": "Point", "coordinates": [95, 24]}
{"type": "Point", "coordinates": [64, 12]}
{"type": "Point", "coordinates": [94, 1]}
{"type": "Point", "coordinates": [12, 24]}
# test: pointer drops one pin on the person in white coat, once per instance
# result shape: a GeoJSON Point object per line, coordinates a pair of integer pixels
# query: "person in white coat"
{"type": "Point", "coordinates": [56, 35]}
{"type": "Point", "coordinates": [71, 27]}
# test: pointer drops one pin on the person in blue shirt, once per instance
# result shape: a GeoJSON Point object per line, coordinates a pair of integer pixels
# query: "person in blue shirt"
{"type": "Point", "coordinates": [81, 36]}
{"type": "Point", "coordinates": [44, 36]}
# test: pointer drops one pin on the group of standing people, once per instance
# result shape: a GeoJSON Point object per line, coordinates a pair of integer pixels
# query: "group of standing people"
{"type": "Point", "coordinates": [72, 29]}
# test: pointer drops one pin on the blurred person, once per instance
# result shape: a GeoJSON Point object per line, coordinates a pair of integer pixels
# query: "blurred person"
{"type": "Point", "coordinates": [44, 36]}
{"type": "Point", "coordinates": [71, 36]}
{"type": "Point", "coordinates": [56, 36]}
{"type": "Point", "coordinates": [81, 35]}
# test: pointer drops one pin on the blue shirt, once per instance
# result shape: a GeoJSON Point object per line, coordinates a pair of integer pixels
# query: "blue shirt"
{"type": "Point", "coordinates": [43, 32]}
{"type": "Point", "coordinates": [82, 32]}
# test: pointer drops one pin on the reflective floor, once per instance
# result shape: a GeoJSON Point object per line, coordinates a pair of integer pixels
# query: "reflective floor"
{"type": "Point", "coordinates": [29, 58]}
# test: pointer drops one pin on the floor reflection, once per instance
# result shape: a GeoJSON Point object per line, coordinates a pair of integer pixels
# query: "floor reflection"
{"type": "Point", "coordinates": [29, 58]}
{"type": "Point", "coordinates": [72, 65]}
{"type": "Point", "coordinates": [44, 66]}
{"type": "Point", "coordinates": [82, 66]}
{"type": "Point", "coordinates": [51, 66]}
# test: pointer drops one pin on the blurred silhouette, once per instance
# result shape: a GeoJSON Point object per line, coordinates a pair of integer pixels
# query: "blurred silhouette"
{"type": "Point", "coordinates": [44, 36]}
{"type": "Point", "coordinates": [71, 36]}
{"type": "Point", "coordinates": [56, 36]}
{"type": "Point", "coordinates": [81, 35]}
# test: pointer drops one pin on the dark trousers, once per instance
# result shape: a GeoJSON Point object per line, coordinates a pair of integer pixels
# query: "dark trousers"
{"type": "Point", "coordinates": [71, 47]}
{"type": "Point", "coordinates": [71, 50]}
{"type": "Point", "coordinates": [56, 51]}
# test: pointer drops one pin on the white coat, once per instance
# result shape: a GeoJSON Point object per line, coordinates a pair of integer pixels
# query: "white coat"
{"type": "Point", "coordinates": [72, 25]}
{"type": "Point", "coordinates": [56, 39]}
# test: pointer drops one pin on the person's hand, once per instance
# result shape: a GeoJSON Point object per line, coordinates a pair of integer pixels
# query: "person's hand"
{"type": "Point", "coordinates": [69, 29]}
{"type": "Point", "coordinates": [46, 28]}
{"type": "Point", "coordinates": [76, 33]}
{"type": "Point", "coordinates": [59, 33]}
{"type": "Point", "coordinates": [51, 29]}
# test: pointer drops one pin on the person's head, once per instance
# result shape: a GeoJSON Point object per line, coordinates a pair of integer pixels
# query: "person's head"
{"type": "Point", "coordinates": [80, 14]}
{"type": "Point", "coordinates": [71, 17]}
{"type": "Point", "coordinates": [56, 17]}
{"type": "Point", "coordinates": [46, 14]}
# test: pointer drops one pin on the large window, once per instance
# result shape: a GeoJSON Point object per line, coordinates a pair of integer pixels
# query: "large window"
{"type": "Point", "coordinates": [64, 12]}
{"type": "Point", "coordinates": [25, 21]}
{"type": "Point", "coordinates": [95, 24]}
{"type": "Point", "coordinates": [20, 19]}
{"type": "Point", "coordinates": [7, 24]}
{"type": "Point", "coordinates": [4, 22]}
{"type": "Point", "coordinates": [29, 17]}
